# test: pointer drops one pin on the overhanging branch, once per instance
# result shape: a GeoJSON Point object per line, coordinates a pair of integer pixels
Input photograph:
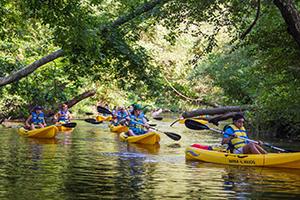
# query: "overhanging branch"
{"type": "Point", "coordinates": [254, 22]}
{"type": "Point", "coordinates": [198, 101]}
{"type": "Point", "coordinates": [30, 68]}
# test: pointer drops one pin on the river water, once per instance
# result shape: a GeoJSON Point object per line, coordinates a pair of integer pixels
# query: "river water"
{"type": "Point", "coordinates": [91, 163]}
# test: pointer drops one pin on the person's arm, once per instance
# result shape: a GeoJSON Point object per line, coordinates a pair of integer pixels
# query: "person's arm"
{"type": "Point", "coordinates": [225, 140]}
{"type": "Point", "coordinates": [127, 113]}
{"type": "Point", "coordinates": [227, 135]}
{"type": "Point", "coordinates": [56, 116]}
{"type": "Point", "coordinates": [145, 122]}
{"type": "Point", "coordinates": [69, 116]}
{"type": "Point", "coordinates": [44, 122]}
{"type": "Point", "coordinates": [28, 120]}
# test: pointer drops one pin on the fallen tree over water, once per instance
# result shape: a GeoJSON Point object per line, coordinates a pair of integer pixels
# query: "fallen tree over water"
{"type": "Point", "coordinates": [215, 111]}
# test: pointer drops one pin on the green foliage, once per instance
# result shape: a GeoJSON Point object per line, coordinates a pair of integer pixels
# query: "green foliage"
{"type": "Point", "coordinates": [32, 29]}
{"type": "Point", "coordinates": [195, 45]}
{"type": "Point", "coordinates": [261, 71]}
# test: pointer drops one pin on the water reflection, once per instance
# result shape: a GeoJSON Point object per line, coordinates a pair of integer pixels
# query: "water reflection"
{"type": "Point", "coordinates": [142, 148]}
{"type": "Point", "coordinates": [246, 182]}
{"type": "Point", "coordinates": [42, 141]}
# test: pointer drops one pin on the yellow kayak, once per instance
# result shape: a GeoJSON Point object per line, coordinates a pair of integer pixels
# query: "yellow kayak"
{"type": "Point", "coordinates": [47, 132]}
{"type": "Point", "coordinates": [284, 160]}
{"type": "Point", "coordinates": [147, 138]}
{"type": "Point", "coordinates": [101, 118]}
{"type": "Point", "coordinates": [63, 128]}
{"type": "Point", "coordinates": [118, 129]}
{"type": "Point", "coordinates": [202, 121]}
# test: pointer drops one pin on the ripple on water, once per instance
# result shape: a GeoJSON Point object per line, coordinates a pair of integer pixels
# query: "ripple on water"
{"type": "Point", "coordinates": [129, 155]}
{"type": "Point", "coordinates": [91, 163]}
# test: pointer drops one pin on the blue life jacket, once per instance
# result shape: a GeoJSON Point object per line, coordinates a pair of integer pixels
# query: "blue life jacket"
{"type": "Point", "coordinates": [135, 124]}
{"type": "Point", "coordinates": [37, 118]}
{"type": "Point", "coordinates": [121, 115]}
{"type": "Point", "coordinates": [63, 115]}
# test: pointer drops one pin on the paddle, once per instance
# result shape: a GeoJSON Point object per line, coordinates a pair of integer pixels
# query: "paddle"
{"type": "Point", "coordinates": [93, 121]}
{"type": "Point", "coordinates": [177, 120]}
{"type": "Point", "coordinates": [68, 125]}
{"type": "Point", "coordinates": [158, 118]}
{"type": "Point", "coordinates": [89, 113]}
{"type": "Point", "coordinates": [174, 122]}
{"type": "Point", "coordinates": [171, 135]}
{"type": "Point", "coordinates": [101, 109]}
{"type": "Point", "coordinates": [194, 125]}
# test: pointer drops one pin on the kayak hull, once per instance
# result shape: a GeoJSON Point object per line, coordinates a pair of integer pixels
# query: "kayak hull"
{"type": "Point", "coordinates": [148, 138]}
{"type": "Point", "coordinates": [283, 160]}
{"type": "Point", "coordinates": [118, 129]}
{"type": "Point", "coordinates": [47, 132]}
{"type": "Point", "coordinates": [101, 118]}
{"type": "Point", "coordinates": [63, 128]}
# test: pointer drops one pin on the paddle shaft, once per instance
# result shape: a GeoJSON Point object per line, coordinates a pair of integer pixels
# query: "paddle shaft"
{"type": "Point", "coordinates": [174, 122]}
{"type": "Point", "coordinates": [249, 140]}
{"type": "Point", "coordinates": [68, 125]}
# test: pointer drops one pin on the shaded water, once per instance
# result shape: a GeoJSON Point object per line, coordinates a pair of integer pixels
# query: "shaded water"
{"type": "Point", "coordinates": [91, 163]}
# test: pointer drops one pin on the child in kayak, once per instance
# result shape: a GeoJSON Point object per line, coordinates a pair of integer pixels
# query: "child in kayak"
{"type": "Point", "coordinates": [233, 135]}
{"type": "Point", "coordinates": [120, 116]}
{"type": "Point", "coordinates": [137, 121]}
{"type": "Point", "coordinates": [63, 115]}
{"type": "Point", "coordinates": [36, 119]}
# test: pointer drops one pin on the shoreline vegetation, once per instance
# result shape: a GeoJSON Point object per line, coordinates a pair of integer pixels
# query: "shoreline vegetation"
{"type": "Point", "coordinates": [180, 55]}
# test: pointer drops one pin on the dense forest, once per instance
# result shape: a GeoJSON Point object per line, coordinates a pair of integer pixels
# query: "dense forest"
{"type": "Point", "coordinates": [179, 55]}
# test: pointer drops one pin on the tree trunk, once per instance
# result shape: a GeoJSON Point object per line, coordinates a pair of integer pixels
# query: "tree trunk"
{"type": "Point", "coordinates": [214, 111]}
{"type": "Point", "coordinates": [30, 68]}
{"type": "Point", "coordinates": [80, 97]}
{"type": "Point", "coordinates": [74, 101]}
{"type": "Point", "coordinates": [291, 16]}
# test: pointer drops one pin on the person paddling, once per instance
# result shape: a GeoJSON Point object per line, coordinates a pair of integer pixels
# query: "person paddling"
{"type": "Point", "coordinates": [63, 115]}
{"type": "Point", "coordinates": [137, 121]}
{"type": "Point", "coordinates": [120, 116]}
{"type": "Point", "coordinates": [233, 134]}
{"type": "Point", "coordinates": [36, 119]}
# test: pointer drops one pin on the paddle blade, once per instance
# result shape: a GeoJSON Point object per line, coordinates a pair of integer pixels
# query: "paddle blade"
{"type": "Point", "coordinates": [174, 122]}
{"type": "Point", "coordinates": [101, 109]}
{"type": "Point", "coordinates": [194, 125]}
{"type": "Point", "coordinates": [173, 136]}
{"type": "Point", "coordinates": [70, 125]}
{"type": "Point", "coordinates": [158, 118]}
{"type": "Point", "coordinates": [93, 121]}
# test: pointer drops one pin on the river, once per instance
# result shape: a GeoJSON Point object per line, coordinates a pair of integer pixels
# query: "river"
{"type": "Point", "coordinates": [91, 163]}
